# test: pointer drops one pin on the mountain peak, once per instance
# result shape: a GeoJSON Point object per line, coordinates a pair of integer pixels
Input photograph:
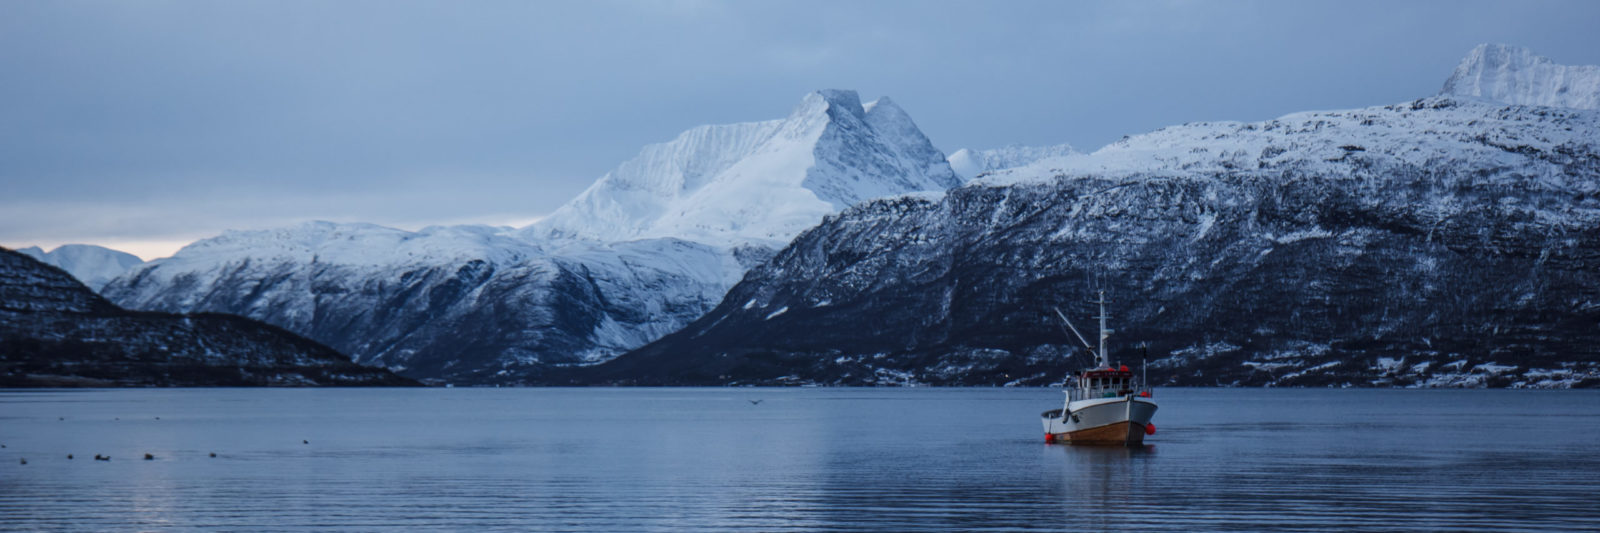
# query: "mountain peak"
{"type": "Point", "coordinates": [845, 99]}
{"type": "Point", "coordinates": [92, 265]}
{"type": "Point", "coordinates": [757, 182]}
{"type": "Point", "coordinates": [1515, 75]}
{"type": "Point", "coordinates": [828, 104]}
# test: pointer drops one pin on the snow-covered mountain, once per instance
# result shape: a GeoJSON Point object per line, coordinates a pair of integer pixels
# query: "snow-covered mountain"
{"type": "Point", "coordinates": [1447, 241]}
{"type": "Point", "coordinates": [648, 248]}
{"type": "Point", "coordinates": [92, 265]}
{"type": "Point", "coordinates": [56, 332]}
{"type": "Point", "coordinates": [461, 303]}
{"type": "Point", "coordinates": [971, 163]}
{"type": "Point", "coordinates": [757, 183]}
{"type": "Point", "coordinates": [1515, 75]}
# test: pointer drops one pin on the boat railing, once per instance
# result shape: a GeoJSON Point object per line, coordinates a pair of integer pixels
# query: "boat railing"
{"type": "Point", "coordinates": [1097, 393]}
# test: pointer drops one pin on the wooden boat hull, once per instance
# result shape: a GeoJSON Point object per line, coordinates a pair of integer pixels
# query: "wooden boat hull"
{"type": "Point", "coordinates": [1118, 434]}
{"type": "Point", "coordinates": [1111, 421]}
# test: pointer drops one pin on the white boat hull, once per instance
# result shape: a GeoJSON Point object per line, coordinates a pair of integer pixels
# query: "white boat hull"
{"type": "Point", "coordinates": [1121, 421]}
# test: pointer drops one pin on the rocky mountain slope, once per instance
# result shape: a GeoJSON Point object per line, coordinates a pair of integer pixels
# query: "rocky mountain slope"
{"type": "Point", "coordinates": [1447, 241]}
{"type": "Point", "coordinates": [54, 331]}
{"type": "Point", "coordinates": [648, 248]}
{"type": "Point", "coordinates": [93, 265]}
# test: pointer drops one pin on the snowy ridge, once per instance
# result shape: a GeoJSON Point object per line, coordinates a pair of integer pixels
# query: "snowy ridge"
{"type": "Point", "coordinates": [356, 244]}
{"type": "Point", "coordinates": [92, 265]}
{"type": "Point", "coordinates": [1467, 122]}
{"type": "Point", "coordinates": [1514, 75]}
{"type": "Point", "coordinates": [971, 163]}
{"type": "Point", "coordinates": [433, 298]}
{"type": "Point", "coordinates": [759, 182]}
{"type": "Point", "coordinates": [1432, 132]}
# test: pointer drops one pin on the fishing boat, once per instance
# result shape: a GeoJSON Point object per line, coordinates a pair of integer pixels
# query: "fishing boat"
{"type": "Point", "coordinates": [1105, 405]}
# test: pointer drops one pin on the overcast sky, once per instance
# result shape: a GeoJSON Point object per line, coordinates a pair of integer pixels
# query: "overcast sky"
{"type": "Point", "coordinates": [144, 125]}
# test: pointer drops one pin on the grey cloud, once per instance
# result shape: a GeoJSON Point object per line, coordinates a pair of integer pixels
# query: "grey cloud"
{"type": "Point", "coordinates": [394, 111]}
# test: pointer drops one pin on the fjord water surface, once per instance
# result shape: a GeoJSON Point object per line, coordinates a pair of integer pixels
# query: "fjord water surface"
{"type": "Point", "coordinates": [800, 459]}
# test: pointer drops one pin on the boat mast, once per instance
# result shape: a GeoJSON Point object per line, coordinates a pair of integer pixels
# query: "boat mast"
{"type": "Point", "coordinates": [1105, 362]}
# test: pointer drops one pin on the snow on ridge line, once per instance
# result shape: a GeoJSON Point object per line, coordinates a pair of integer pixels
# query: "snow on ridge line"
{"type": "Point", "coordinates": [91, 264]}
{"type": "Point", "coordinates": [756, 182]}
{"type": "Point", "coordinates": [355, 244]}
{"type": "Point", "coordinates": [1424, 132]}
{"type": "Point", "coordinates": [1489, 75]}
{"type": "Point", "coordinates": [1515, 75]}
{"type": "Point", "coordinates": [970, 164]}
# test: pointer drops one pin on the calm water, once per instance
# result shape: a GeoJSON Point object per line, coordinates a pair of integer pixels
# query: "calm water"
{"type": "Point", "coordinates": [803, 459]}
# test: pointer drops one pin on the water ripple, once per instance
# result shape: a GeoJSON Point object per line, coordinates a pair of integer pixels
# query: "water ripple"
{"type": "Point", "coordinates": [804, 460]}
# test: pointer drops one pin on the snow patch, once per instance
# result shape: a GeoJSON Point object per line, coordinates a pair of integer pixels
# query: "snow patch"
{"type": "Point", "coordinates": [971, 163]}
{"type": "Point", "coordinates": [1515, 75]}
{"type": "Point", "coordinates": [1315, 233]}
